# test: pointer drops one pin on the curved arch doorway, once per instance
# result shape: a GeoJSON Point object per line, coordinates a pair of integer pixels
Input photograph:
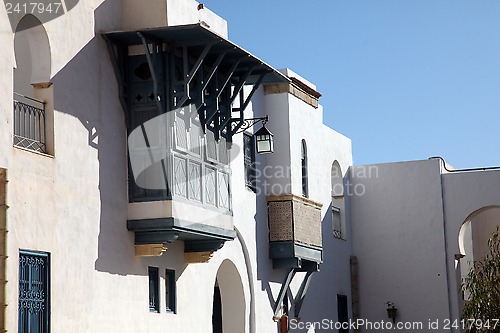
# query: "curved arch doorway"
{"type": "Point", "coordinates": [228, 312]}
{"type": "Point", "coordinates": [473, 241]}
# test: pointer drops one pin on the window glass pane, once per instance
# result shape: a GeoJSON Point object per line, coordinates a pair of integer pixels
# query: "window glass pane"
{"type": "Point", "coordinates": [304, 169]}
{"type": "Point", "coordinates": [211, 145]}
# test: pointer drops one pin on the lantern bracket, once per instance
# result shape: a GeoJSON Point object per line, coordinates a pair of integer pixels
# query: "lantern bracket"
{"type": "Point", "coordinates": [247, 123]}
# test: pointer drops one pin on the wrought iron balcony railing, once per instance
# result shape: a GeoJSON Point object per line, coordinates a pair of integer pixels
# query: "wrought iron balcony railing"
{"type": "Point", "coordinates": [29, 123]}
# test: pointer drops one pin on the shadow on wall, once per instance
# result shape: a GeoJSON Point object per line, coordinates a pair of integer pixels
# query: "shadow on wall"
{"type": "Point", "coordinates": [96, 105]}
{"type": "Point", "coordinates": [265, 271]}
{"type": "Point", "coordinates": [330, 281]}
{"type": "Point", "coordinates": [335, 269]}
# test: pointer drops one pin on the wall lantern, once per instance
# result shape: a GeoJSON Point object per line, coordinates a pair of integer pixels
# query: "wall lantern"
{"type": "Point", "coordinates": [392, 311]}
{"type": "Point", "coordinates": [264, 143]}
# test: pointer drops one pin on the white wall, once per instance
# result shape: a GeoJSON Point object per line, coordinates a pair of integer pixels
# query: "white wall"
{"type": "Point", "coordinates": [180, 12]}
{"type": "Point", "coordinates": [398, 235]}
{"type": "Point", "coordinates": [406, 218]}
{"type": "Point", "coordinates": [467, 194]}
{"type": "Point", "coordinates": [292, 120]}
{"type": "Point", "coordinates": [55, 200]}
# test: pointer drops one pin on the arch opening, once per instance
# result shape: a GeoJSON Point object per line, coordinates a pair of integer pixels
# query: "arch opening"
{"type": "Point", "coordinates": [33, 91]}
{"type": "Point", "coordinates": [337, 181]}
{"type": "Point", "coordinates": [477, 229]}
{"type": "Point", "coordinates": [473, 240]}
{"type": "Point", "coordinates": [228, 314]}
{"type": "Point", "coordinates": [32, 51]}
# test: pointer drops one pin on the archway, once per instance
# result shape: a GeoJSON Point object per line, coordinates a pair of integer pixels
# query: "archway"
{"type": "Point", "coordinates": [473, 239]}
{"type": "Point", "coordinates": [229, 300]}
{"type": "Point", "coordinates": [476, 230]}
{"type": "Point", "coordinates": [337, 181]}
{"type": "Point", "coordinates": [33, 94]}
{"type": "Point", "coordinates": [32, 50]}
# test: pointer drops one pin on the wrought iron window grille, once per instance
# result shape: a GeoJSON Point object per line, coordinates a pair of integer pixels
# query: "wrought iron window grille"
{"type": "Point", "coordinates": [34, 301]}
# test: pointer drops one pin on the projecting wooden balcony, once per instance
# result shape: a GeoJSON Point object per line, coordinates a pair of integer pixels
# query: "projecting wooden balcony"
{"type": "Point", "coordinates": [197, 211]}
{"type": "Point", "coordinates": [180, 195]}
{"type": "Point", "coordinates": [295, 238]}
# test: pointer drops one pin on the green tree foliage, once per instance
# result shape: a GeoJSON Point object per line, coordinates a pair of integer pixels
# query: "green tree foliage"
{"type": "Point", "coordinates": [483, 285]}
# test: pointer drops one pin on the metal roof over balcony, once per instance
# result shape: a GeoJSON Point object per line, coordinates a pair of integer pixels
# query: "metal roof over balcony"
{"type": "Point", "coordinates": [197, 37]}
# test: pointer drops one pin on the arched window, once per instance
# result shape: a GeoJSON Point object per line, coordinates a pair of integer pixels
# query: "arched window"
{"type": "Point", "coordinates": [336, 179]}
{"type": "Point", "coordinates": [338, 221]}
{"type": "Point", "coordinates": [303, 162]}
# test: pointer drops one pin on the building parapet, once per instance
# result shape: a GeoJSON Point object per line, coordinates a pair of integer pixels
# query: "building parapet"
{"type": "Point", "coordinates": [297, 88]}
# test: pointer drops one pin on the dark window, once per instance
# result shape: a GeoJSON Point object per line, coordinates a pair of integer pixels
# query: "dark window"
{"type": "Point", "coordinates": [170, 297]}
{"type": "Point", "coordinates": [337, 223]}
{"type": "Point", "coordinates": [303, 162]}
{"type": "Point", "coordinates": [249, 158]}
{"type": "Point", "coordinates": [217, 311]}
{"type": "Point", "coordinates": [34, 305]}
{"type": "Point", "coordinates": [342, 312]}
{"type": "Point", "coordinates": [154, 295]}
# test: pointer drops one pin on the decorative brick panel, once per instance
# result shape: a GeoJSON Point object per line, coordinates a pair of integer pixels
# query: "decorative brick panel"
{"type": "Point", "coordinates": [280, 221]}
{"type": "Point", "coordinates": [295, 219]}
{"type": "Point", "coordinates": [307, 224]}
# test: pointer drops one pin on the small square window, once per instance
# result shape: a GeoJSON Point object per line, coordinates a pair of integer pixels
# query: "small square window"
{"type": "Point", "coordinates": [337, 223]}
{"type": "Point", "coordinates": [154, 295]}
{"type": "Point", "coordinates": [170, 296]}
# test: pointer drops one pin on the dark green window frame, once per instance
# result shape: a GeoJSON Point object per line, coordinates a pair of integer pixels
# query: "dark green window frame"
{"type": "Point", "coordinates": [154, 294]}
{"type": "Point", "coordinates": [170, 291]}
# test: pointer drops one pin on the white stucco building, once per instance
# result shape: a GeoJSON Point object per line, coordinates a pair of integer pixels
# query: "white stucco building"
{"type": "Point", "coordinates": [416, 225]}
{"type": "Point", "coordinates": [102, 233]}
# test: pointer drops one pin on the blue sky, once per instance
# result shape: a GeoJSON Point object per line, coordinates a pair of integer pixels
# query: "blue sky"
{"type": "Point", "coordinates": [404, 79]}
